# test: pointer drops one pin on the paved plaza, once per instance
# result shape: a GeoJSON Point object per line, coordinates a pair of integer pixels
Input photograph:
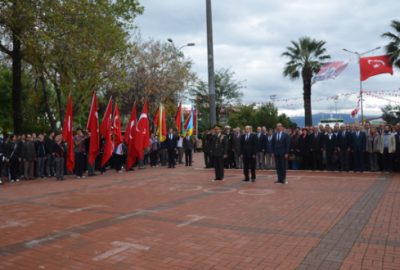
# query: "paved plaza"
{"type": "Point", "coordinates": [160, 218]}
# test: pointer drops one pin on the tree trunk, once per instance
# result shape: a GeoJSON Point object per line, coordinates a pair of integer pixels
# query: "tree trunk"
{"type": "Point", "coordinates": [47, 105]}
{"type": "Point", "coordinates": [59, 101]}
{"type": "Point", "coordinates": [307, 76]}
{"type": "Point", "coordinates": [16, 83]}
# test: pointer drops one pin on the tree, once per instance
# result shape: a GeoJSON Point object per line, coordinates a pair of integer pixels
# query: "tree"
{"type": "Point", "coordinates": [155, 70]}
{"type": "Point", "coordinates": [393, 47]}
{"type": "Point", "coordinates": [69, 45]}
{"type": "Point", "coordinates": [264, 115]}
{"type": "Point", "coordinates": [391, 114]}
{"type": "Point", "coordinates": [305, 59]}
{"type": "Point", "coordinates": [227, 94]}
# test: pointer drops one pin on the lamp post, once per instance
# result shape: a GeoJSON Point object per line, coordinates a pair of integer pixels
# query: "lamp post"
{"type": "Point", "coordinates": [178, 50]}
{"type": "Point", "coordinates": [361, 92]}
{"type": "Point", "coordinates": [210, 59]}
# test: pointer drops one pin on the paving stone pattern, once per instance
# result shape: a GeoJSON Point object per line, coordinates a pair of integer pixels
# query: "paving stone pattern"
{"type": "Point", "coordinates": [164, 218]}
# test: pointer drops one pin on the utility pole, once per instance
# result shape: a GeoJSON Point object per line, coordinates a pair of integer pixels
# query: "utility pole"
{"type": "Point", "coordinates": [210, 54]}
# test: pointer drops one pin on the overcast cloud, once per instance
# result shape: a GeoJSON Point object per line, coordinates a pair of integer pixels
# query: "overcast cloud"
{"type": "Point", "coordinates": [250, 36]}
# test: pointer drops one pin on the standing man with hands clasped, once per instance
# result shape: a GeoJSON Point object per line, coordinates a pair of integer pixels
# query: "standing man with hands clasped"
{"type": "Point", "coordinates": [280, 146]}
{"type": "Point", "coordinates": [218, 151]}
{"type": "Point", "coordinates": [248, 150]}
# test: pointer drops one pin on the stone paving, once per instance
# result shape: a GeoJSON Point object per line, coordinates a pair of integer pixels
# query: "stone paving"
{"type": "Point", "coordinates": [160, 218]}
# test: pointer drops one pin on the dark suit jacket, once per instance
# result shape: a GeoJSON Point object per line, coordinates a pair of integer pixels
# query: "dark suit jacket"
{"type": "Point", "coordinates": [248, 147]}
{"type": "Point", "coordinates": [188, 143]}
{"type": "Point", "coordinates": [171, 143]}
{"type": "Point", "coordinates": [344, 140]}
{"type": "Point", "coordinates": [358, 143]}
{"type": "Point", "coordinates": [261, 141]}
{"type": "Point", "coordinates": [315, 142]}
{"type": "Point", "coordinates": [330, 144]}
{"type": "Point", "coordinates": [282, 146]}
{"type": "Point", "coordinates": [219, 145]}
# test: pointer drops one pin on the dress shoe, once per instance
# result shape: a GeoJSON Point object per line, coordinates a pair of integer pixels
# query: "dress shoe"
{"type": "Point", "coordinates": [245, 180]}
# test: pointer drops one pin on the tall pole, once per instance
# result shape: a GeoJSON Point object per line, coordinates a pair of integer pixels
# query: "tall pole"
{"type": "Point", "coordinates": [210, 50]}
{"type": "Point", "coordinates": [359, 66]}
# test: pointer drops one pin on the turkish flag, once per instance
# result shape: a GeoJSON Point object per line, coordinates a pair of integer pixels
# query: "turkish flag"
{"type": "Point", "coordinates": [68, 135]}
{"type": "Point", "coordinates": [178, 118]}
{"type": "Point", "coordinates": [106, 132]}
{"type": "Point", "coordinates": [142, 132]}
{"type": "Point", "coordinates": [117, 126]}
{"type": "Point", "coordinates": [93, 127]}
{"type": "Point", "coordinates": [130, 137]}
{"type": "Point", "coordinates": [374, 65]}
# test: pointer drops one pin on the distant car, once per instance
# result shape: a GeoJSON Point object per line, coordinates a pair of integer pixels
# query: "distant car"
{"type": "Point", "coordinates": [331, 122]}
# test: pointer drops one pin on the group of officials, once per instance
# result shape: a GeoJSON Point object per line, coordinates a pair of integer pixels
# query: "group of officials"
{"type": "Point", "coordinates": [217, 146]}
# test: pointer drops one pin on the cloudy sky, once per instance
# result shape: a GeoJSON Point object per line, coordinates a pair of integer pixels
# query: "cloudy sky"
{"type": "Point", "coordinates": [250, 36]}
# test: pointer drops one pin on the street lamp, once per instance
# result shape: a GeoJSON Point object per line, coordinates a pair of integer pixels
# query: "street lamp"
{"type": "Point", "coordinates": [361, 93]}
{"type": "Point", "coordinates": [179, 48]}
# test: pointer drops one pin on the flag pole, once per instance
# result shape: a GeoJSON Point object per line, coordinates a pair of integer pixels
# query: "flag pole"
{"type": "Point", "coordinates": [359, 66]}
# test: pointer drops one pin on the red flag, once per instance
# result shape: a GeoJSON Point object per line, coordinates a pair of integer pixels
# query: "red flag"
{"type": "Point", "coordinates": [157, 116]}
{"type": "Point", "coordinates": [68, 135]}
{"type": "Point", "coordinates": [93, 127]}
{"type": "Point", "coordinates": [142, 136]}
{"type": "Point", "coordinates": [129, 138]}
{"type": "Point", "coordinates": [117, 126]}
{"type": "Point", "coordinates": [374, 65]}
{"type": "Point", "coordinates": [106, 132]}
{"type": "Point", "coordinates": [178, 118]}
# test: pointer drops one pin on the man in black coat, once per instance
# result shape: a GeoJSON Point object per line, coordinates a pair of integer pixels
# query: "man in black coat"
{"type": "Point", "coordinates": [358, 145]}
{"type": "Point", "coordinates": [261, 140]}
{"type": "Point", "coordinates": [171, 144]}
{"type": "Point", "coordinates": [248, 150]}
{"type": "Point", "coordinates": [280, 146]}
{"type": "Point", "coordinates": [218, 151]}
{"type": "Point", "coordinates": [315, 142]}
{"type": "Point", "coordinates": [344, 147]}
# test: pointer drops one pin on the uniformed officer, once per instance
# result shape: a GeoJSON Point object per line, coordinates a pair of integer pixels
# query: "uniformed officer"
{"type": "Point", "coordinates": [218, 151]}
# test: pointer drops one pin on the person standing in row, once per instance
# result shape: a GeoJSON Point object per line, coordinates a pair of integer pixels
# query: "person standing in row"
{"type": "Point", "coordinates": [236, 142]}
{"type": "Point", "coordinates": [188, 146]}
{"type": "Point", "coordinates": [261, 141]}
{"type": "Point", "coordinates": [171, 144]}
{"type": "Point", "coordinates": [58, 154]}
{"type": "Point", "coordinates": [248, 150]}
{"type": "Point", "coordinates": [281, 146]}
{"type": "Point", "coordinates": [79, 150]}
{"type": "Point", "coordinates": [29, 157]}
{"type": "Point", "coordinates": [218, 151]}
{"type": "Point", "coordinates": [41, 156]}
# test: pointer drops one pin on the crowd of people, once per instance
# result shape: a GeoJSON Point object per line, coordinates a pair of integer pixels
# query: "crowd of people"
{"type": "Point", "coordinates": [346, 147]}
{"type": "Point", "coordinates": [39, 156]}
{"type": "Point", "coordinates": [340, 148]}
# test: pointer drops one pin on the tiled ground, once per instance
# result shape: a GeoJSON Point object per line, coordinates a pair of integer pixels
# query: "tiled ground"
{"type": "Point", "coordinates": [178, 219]}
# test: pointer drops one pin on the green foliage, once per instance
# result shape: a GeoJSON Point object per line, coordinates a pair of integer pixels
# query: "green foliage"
{"type": "Point", "coordinates": [391, 114]}
{"type": "Point", "coordinates": [227, 94]}
{"type": "Point", "coordinates": [265, 115]}
{"type": "Point", "coordinates": [393, 47]}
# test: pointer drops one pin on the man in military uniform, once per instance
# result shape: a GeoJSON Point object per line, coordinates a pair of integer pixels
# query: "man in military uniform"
{"type": "Point", "coordinates": [218, 151]}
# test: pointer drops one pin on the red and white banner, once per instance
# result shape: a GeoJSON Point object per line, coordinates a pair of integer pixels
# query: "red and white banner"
{"type": "Point", "coordinates": [68, 135]}
{"type": "Point", "coordinates": [93, 128]}
{"type": "Point", "coordinates": [330, 70]}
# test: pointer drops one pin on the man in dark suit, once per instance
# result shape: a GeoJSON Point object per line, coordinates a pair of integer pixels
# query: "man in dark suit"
{"type": "Point", "coordinates": [344, 144]}
{"type": "Point", "coordinates": [218, 151]}
{"type": "Point", "coordinates": [260, 148]}
{"type": "Point", "coordinates": [280, 146]}
{"type": "Point", "coordinates": [248, 151]}
{"type": "Point", "coordinates": [188, 146]}
{"type": "Point", "coordinates": [358, 142]}
{"type": "Point", "coordinates": [330, 146]}
{"type": "Point", "coordinates": [315, 142]}
{"type": "Point", "coordinates": [171, 144]}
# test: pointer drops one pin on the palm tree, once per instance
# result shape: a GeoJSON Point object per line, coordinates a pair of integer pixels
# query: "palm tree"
{"type": "Point", "coordinates": [393, 48]}
{"type": "Point", "coordinates": [305, 58]}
